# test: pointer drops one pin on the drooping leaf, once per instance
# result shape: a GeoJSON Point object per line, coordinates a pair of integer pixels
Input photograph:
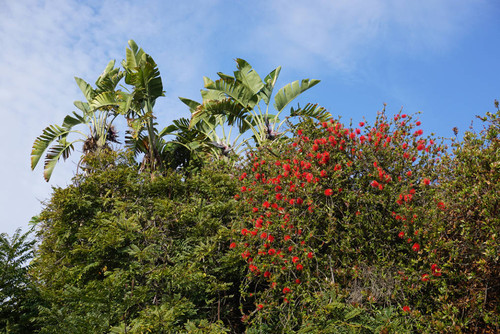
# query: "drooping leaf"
{"type": "Point", "coordinates": [43, 141]}
{"type": "Point", "coordinates": [62, 149]}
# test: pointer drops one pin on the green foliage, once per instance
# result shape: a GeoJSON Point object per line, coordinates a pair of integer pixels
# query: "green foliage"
{"type": "Point", "coordinates": [97, 115]}
{"type": "Point", "coordinates": [243, 101]}
{"type": "Point", "coordinates": [337, 208]}
{"type": "Point", "coordinates": [121, 250]}
{"type": "Point", "coordinates": [465, 233]}
{"type": "Point", "coordinates": [18, 298]}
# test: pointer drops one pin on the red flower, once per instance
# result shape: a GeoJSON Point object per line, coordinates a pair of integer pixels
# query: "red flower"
{"type": "Point", "coordinates": [408, 173]}
{"type": "Point", "coordinates": [416, 247]}
{"type": "Point", "coordinates": [328, 192]}
{"type": "Point", "coordinates": [260, 306]}
{"type": "Point", "coordinates": [406, 309]}
{"type": "Point", "coordinates": [255, 209]}
{"type": "Point", "coordinates": [425, 277]}
{"type": "Point", "coordinates": [300, 267]}
{"type": "Point", "coordinates": [418, 123]}
{"type": "Point", "coordinates": [287, 237]}
{"type": "Point", "coordinates": [267, 274]}
{"type": "Point", "coordinates": [310, 255]}
{"type": "Point", "coordinates": [401, 235]}
{"type": "Point", "coordinates": [286, 290]}
{"type": "Point", "coordinates": [435, 270]}
{"type": "Point", "coordinates": [232, 245]}
{"type": "Point", "coordinates": [271, 251]}
{"type": "Point", "coordinates": [323, 173]}
{"type": "Point", "coordinates": [374, 184]}
{"type": "Point", "coordinates": [263, 235]}
{"type": "Point", "coordinates": [297, 281]}
{"type": "Point", "coordinates": [361, 124]}
{"type": "Point", "coordinates": [427, 182]}
{"type": "Point", "coordinates": [295, 259]}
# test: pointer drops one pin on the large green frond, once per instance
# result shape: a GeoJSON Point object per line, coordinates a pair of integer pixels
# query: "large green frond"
{"type": "Point", "coordinates": [133, 56]}
{"type": "Point", "coordinates": [248, 76]}
{"type": "Point", "coordinates": [71, 121]}
{"type": "Point", "coordinates": [190, 103]}
{"type": "Point", "coordinates": [62, 149]}
{"type": "Point", "coordinates": [270, 82]}
{"type": "Point", "coordinates": [238, 92]}
{"type": "Point", "coordinates": [42, 142]}
{"type": "Point", "coordinates": [110, 77]}
{"type": "Point", "coordinates": [313, 111]}
{"type": "Point", "coordinates": [86, 89]}
{"type": "Point", "coordinates": [286, 94]}
{"type": "Point", "coordinates": [227, 107]}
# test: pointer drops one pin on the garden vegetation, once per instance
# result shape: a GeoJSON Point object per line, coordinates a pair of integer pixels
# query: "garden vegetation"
{"type": "Point", "coordinates": [300, 223]}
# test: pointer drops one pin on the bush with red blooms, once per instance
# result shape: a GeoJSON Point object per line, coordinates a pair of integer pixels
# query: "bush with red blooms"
{"type": "Point", "coordinates": [337, 207]}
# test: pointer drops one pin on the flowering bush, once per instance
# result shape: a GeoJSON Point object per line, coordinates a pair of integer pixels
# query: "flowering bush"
{"type": "Point", "coordinates": [337, 207]}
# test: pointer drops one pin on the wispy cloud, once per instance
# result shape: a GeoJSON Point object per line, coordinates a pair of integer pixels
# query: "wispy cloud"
{"type": "Point", "coordinates": [344, 32]}
{"type": "Point", "coordinates": [46, 43]}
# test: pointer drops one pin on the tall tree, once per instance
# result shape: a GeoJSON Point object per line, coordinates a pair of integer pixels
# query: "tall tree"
{"type": "Point", "coordinates": [18, 299]}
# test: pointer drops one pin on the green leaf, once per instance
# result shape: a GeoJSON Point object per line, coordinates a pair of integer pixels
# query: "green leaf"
{"type": "Point", "coordinates": [190, 103]}
{"type": "Point", "coordinates": [42, 142]}
{"type": "Point", "coordinates": [71, 121]}
{"type": "Point", "coordinates": [312, 110]}
{"type": "Point", "coordinates": [62, 149]}
{"type": "Point", "coordinates": [270, 82]}
{"type": "Point", "coordinates": [86, 89]}
{"type": "Point", "coordinates": [286, 94]}
{"type": "Point", "coordinates": [248, 76]}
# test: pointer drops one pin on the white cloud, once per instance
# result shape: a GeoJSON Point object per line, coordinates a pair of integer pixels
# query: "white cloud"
{"type": "Point", "coordinates": [343, 32]}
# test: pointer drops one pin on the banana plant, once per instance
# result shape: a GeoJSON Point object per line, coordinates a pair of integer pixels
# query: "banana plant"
{"type": "Point", "coordinates": [142, 73]}
{"type": "Point", "coordinates": [245, 100]}
{"type": "Point", "coordinates": [54, 141]}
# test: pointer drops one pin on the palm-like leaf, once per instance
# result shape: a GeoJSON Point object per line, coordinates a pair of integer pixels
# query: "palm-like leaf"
{"type": "Point", "coordinates": [313, 111]}
{"type": "Point", "coordinates": [286, 94]}
{"type": "Point", "coordinates": [42, 142]}
{"type": "Point", "coordinates": [237, 99]}
{"type": "Point", "coordinates": [94, 115]}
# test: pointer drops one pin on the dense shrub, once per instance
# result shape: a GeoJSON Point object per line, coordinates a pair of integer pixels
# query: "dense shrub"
{"type": "Point", "coordinates": [122, 251]}
{"type": "Point", "coordinates": [340, 228]}
{"type": "Point", "coordinates": [465, 233]}
{"type": "Point", "coordinates": [337, 207]}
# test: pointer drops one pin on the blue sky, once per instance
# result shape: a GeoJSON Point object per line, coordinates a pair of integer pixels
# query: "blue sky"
{"type": "Point", "coordinates": [440, 57]}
